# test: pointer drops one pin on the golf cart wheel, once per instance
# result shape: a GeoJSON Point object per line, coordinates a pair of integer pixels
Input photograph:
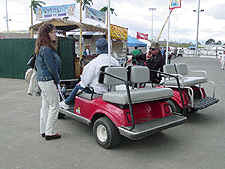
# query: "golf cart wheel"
{"type": "Point", "coordinates": [106, 133]}
{"type": "Point", "coordinates": [174, 108]}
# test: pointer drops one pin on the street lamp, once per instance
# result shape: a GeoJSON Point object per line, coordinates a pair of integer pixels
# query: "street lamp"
{"type": "Point", "coordinates": [152, 9]}
{"type": "Point", "coordinates": [196, 48]}
{"type": "Point", "coordinates": [7, 19]}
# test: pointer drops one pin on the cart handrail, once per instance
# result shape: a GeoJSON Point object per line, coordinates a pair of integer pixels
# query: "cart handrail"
{"type": "Point", "coordinates": [178, 84]}
{"type": "Point", "coordinates": [128, 94]}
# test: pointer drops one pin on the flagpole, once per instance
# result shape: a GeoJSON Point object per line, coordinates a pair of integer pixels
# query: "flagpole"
{"type": "Point", "coordinates": [109, 41]}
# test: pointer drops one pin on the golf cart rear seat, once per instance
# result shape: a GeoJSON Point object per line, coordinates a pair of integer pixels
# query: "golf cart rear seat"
{"type": "Point", "coordinates": [187, 82]}
{"type": "Point", "coordinates": [138, 74]}
{"type": "Point", "coordinates": [181, 70]}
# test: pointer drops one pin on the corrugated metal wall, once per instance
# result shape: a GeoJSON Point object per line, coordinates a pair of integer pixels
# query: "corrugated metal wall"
{"type": "Point", "coordinates": [14, 54]}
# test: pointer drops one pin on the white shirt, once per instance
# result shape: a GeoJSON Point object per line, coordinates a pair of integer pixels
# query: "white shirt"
{"type": "Point", "coordinates": [88, 51]}
{"type": "Point", "coordinates": [91, 72]}
{"type": "Point", "coordinates": [222, 57]}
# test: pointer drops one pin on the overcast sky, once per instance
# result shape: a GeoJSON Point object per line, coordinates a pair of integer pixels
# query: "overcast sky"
{"type": "Point", "coordinates": [135, 15]}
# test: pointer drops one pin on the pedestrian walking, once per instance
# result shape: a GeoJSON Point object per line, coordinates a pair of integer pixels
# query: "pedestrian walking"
{"type": "Point", "coordinates": [222, 60]}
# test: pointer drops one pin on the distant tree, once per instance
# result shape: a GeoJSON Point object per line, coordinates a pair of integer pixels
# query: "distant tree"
{"type": "Point", "coordinates": [85, 3]}
{"type": "Point", "coordinates": [105, 9]}
{"type": "Point", "coordinates": [210, 41]}
{"type": "Point", "coordinates": [33, 6]}
{"type": "Point", "coordinates": [219, 43]}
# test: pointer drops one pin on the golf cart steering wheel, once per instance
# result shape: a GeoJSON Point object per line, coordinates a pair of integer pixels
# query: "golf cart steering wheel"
{"type": "Point", "coordinates": [84, 61]}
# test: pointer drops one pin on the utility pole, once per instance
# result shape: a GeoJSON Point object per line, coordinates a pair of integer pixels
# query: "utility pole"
{"type": "Point", "coordinates": [152, 9]}
{"type": "Point", "coordinates": [7, 20]}
{"type": "Point", "coordinates": [196, 47]}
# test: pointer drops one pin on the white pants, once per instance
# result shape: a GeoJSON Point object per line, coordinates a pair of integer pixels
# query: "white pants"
{"type": "Point", "coordinates": [50, 108]}
{"type": "Point", "coordinates": [222, 63]}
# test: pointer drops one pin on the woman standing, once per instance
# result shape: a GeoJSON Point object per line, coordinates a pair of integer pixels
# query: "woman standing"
{"type": "Point", "coordinates": [48, 64]}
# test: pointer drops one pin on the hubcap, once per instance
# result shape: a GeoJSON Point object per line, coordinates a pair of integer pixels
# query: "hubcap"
{"type": "Point", "coordinates": [102, 133]}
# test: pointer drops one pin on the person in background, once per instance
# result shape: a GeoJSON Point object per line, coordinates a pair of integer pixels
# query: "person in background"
{"type": "Point", "coordinates": [48, 64]}
{"type": "Point", "coordinates": [90, 74]}
{"type": "Point", "coordinates": [222, 60]}
{"type": "Point", "coordinates": [163, 52]}
{"type": "Point", "coordinates": [153, 60]}
{"type": "Point", "coordinates": [134, 53]}
{"type": "Point", "coordinates": [87, 50]}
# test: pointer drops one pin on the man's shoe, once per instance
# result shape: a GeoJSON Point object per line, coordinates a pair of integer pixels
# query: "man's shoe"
{"type": "Point", "coordinates": [64, 105]}
{"type": "Point", "coordinates": [56, 136]}
{"type": "Point", "coordinates": [43, 134]}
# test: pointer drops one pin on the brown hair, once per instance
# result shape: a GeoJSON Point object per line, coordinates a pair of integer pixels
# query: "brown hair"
{"type": "Point", "coordinates": [43, 38]}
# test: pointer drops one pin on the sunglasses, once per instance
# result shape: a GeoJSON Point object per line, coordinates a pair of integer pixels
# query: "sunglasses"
{"type": "Point", "coordinates": [153, 49]}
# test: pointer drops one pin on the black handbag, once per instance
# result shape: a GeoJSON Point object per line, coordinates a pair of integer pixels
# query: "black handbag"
{"type": "Point", "coordinates": [31, 61]}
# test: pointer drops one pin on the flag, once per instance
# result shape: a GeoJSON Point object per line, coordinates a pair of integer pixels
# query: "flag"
{"type": "Point", "coordinates": [175, 4]}
{"type": "Point", "coordinates": [94, 14]}
{"type": "Point", "coordinates": [142, 36]}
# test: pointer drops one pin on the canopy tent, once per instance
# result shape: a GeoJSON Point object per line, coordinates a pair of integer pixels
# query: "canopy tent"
{"type": "Point", "coordinates": [218, 48]}
{"type": "Point", "coordinates": [146, 42]}
{"type": "Point", "coordinates": [134, 42]}
{"type": "Point", "coordinates": [66, 25]}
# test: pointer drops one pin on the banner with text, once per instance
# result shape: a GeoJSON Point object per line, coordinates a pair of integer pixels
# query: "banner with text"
{"type": "Point", "coordinates": [94, 14]}
{"type": "Point", "coordinates": [175, 4]}
{"type": "Point", "coordinates": [50, 12]}
{"type": "Point", "coordinates": [142, 36]}
{"type": "Point", "coordinates": [119, 33]}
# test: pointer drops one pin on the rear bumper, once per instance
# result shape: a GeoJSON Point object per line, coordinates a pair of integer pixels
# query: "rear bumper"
{"type": "Point", "coordinates": [203, 103]}
{"type": "Point", "coordinates": [151, 127]}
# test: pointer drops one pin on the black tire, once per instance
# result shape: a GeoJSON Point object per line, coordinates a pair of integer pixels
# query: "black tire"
{"type": "Point", "coordinates": [174, 108]}
{"type": "Point", "coordinates": [106, 133]}
{"type": "Point", "coordinates": [60, 116]}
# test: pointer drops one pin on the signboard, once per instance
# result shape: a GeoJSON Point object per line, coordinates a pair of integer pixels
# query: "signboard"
{"type": "Point", "coordinates": [118, 33]}
{"type": "Point", "coordinates": [142, 36]}
{"type": "Point", "coordinates": [94, 14]}
{"type": "Point", "coordinates": [175, 4]}
{"type": "Point", "coordinates": [50, 12]}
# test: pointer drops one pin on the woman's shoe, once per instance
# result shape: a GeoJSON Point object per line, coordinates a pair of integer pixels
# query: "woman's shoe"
{"type": "Point", "coordinates": [56, 136]}
{"type": "Point", "coordinates": [43, 134]}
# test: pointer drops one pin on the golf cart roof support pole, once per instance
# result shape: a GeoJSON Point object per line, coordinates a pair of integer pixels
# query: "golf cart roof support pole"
{"type": "Point", "coordinates": [80, 30]}
{"type": "Point", "coordinates": [109, 41]}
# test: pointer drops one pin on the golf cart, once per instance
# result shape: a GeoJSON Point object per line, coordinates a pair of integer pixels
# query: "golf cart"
{"type": "Point", "coordinates": [124, 111]}
{"type": "Point", "coordinates": [193, 96]}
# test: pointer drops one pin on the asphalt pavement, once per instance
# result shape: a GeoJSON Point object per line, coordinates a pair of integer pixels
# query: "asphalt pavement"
{"type": "Point", "coordinates": [197, 144]}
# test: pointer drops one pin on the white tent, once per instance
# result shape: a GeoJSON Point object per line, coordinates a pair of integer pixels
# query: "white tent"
{"type": "Point", "coordinates": [146, 42]}
{"type": "Point", "coordinates": [218, 48]}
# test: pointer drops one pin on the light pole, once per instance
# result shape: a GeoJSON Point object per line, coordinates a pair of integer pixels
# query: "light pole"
{"type": "Point", "coordinates": [7, 20]}
{"type": "Point", "coordinates": [196, 47]}
{"type": "Point", "coordinates": [152, 9]}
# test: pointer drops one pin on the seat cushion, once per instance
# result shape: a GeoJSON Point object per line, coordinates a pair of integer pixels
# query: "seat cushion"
{"type": "Point", "coordinates": [138, 95]}
{"type": "Point", "coordinates": [87, 95]}
{"type": "Point", "coordinates": [188, 81]}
